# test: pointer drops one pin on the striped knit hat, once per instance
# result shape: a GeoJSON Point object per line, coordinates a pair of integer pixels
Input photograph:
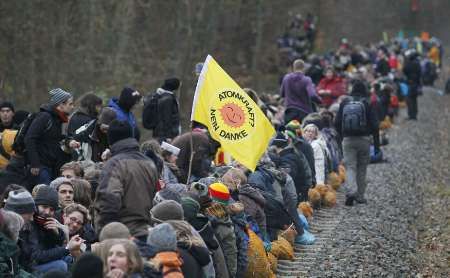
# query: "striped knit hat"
{"type": "Point", "coordinates": [20, 201]}
{"type": "Point", "coordinates": [219, 193]}
{"type": "Point", "coordinates": [58, 96]}
{"type": "Point", "coordinates": [294, 129]}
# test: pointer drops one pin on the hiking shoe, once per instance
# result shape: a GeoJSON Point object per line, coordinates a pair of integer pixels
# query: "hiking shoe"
{"type": "Point", "coordinates": [349, 201]}
{"type": "Point", "coordinates": [305, 239]}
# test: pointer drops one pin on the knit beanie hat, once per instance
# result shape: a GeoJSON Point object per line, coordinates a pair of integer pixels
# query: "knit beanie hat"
{"type": "Point", "coordinates": [7, 104]}
{"type": "Point", "coordinates": [190, 206]}
{"type": "Point", "coordinates": [88, 265]}
{"type": "Point", "coordinates": [58, 96]}
{"type": "Point", "coordinates": [107, 115]}
{"type": "Point", "coordinates": [171, 84]}
{"type": "Point", "coordinates": [59, 181]}
{"type": "Point", "coordinates": [162, 238]}
{"type": "Point", "coordinates": [166, 194]}
{"type": "Point", "coordinates": [128, 98]}
{"type": "Point", "coordinates": [294, 129]}
{"type": "Point", "coordinates": [166, 210]}
{"type": "Point", "coordinates": [199, 188]}
{"type": "Point", "coordinates": [47, 195]}
{"type": "Point", "coordinates": [119, 130]}
{"type": "Point", "coordinates": [20, 201]}
{"type": "Point", "coordinates": [280, 140]}
{"type": "Point", "coordinates": [114, 230]}
{"type": "Point", "coordinates": [219, 193]}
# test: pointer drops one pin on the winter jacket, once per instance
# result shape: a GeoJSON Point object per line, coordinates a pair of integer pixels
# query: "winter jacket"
{"type": "Point", "coordinates": [223, 229]}
{"type": "Point", "coordinates": [39, 246]}
{"type": "Point", "coordinates": [305, 148]}
{"type": "Point", "coordinates": [297, 167]}
{"type": "Point", "coordinates": [43, 141]}
{"type": "Point", "coordinates": [240, 231]}
{"type": "Point", "coordinates": [9, 259]}
{"type": "Point", "coordinates": [194, 259]}
{"type": "Point", "coordinates": [262, 179]}
{"type": "Point", "coordinates": [320, 159]}
{"type": "Point", "coordinates": [335, 85]}
{"type": "Point", "coordinates": [331, 137]}
{"type": "Point", "coordinates": [298, 92]}
{"type": "Point", "coordinates": [126, 188]}
{"type": "Point", "coordinates": [170, 173]}
{"type": "Point", "coordinates": [168, 122]}
{"type": "Point", "coordinates": [124, 116]}
{"type": "Point", "coordinates": [203, 154]}
{"type": "Point", "coordinates": [413, 73]}
{"type": "Point", "coordinates": [383, 67]}
{"type": "Point", "coordinates": [254, 203]}
{"type": "Point", "coordinates": [78, 119]}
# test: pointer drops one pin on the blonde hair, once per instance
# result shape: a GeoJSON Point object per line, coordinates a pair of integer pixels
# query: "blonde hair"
{"type": "Point", "coordinates": [134, 258]}
{"type": "Point", "coordinates": [298, 65]}
{"type": "Point", "coordinates": [311, 127]}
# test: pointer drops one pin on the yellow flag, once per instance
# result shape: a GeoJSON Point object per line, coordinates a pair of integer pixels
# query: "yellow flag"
{"type": "Point", "coordinates": [232, 117]}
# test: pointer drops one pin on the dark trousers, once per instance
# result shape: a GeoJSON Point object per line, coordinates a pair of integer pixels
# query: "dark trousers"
{"type": "Point", "coordinates": [411, 102]}
{"type": "Point", "coordinates": [294, 114]}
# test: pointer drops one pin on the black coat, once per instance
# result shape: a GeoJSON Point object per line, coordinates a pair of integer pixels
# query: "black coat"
{"type": "Point", "coordinates": [298, 168]}
{"type": "Point", "coordinates": [78, 119]}
{"type": "Point", "coordinates": [168, 122]}
{"type": "Point", "coordinates": [39, 246]}
{"type": "Point", "coordinates": [43, 141]}
{"type": "Point", "coordinates": [194, 259]}
{"type": "Point", "coordinates": [306, 149]}
{"type": "Point", "coordinates": [413, 73]}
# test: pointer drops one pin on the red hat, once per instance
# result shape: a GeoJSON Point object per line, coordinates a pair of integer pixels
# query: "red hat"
{"type": "Point", "coordinates": [219, 193]}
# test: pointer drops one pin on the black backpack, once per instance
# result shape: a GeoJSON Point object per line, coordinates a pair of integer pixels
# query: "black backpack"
{"type": "Point", "coordinates": [19, 141]}
{"type": "Point", "coordinates": [354, 118]}
{"type": "Point", "coordinates": [150, 112]}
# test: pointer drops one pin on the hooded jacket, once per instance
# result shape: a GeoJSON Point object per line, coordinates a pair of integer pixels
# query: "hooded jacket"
{"type": "Point", "coordinates": [126, 189]}
{"type": "Point", "coordinates": [9, 259]}
{"type": "Point", "coordinates": [254, 203]}
{"type": "Point", "coordinates": [298, 92]}
{"type": "Point", "coordinates": [125, 116]}
{"type": "Point", "coordinates": [43, 140]}
{"type": "Point", "coordinates": [79, 118]}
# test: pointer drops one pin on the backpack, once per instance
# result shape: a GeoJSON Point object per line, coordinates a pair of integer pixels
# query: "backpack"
{"type": "Point", "coordinates": [150, 112]}
{"type": "Point", "coordinates": [354, 118]}
{"type": "Point", "coordinates": [19, 140]}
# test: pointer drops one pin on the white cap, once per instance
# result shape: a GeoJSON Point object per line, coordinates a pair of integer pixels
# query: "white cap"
{"type": "Point", "coordinates": [170, 148]}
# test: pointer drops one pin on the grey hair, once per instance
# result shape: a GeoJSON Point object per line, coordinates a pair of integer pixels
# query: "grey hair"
{"type": "Point", "coordinates": [14, 223]}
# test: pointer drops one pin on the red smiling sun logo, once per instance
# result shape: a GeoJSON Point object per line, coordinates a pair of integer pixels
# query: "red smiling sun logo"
{"type": "Point", "coordinates": [232, 115]}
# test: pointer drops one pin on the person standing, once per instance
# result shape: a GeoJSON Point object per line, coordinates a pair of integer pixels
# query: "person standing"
{"type": "Point", "coordinates": [355, 121]}
{"type": "Point", "coordinates": [123, 107]}
{"type": "Point", "coordinates": [46, 147]}
{"type": "Point", "coordinates": [298, 92]}
{"type": "Point", "coordinates": [162, 112]}
{"type": "Point", "coordinates": [413, 73]}
{"type": "Point", "coordinates": [90, 106]}
{"type": "Point", "coordinates": [127, 184]}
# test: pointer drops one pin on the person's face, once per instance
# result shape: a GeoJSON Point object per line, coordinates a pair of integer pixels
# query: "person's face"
{"type": "Point", "coordinates": [27, 217]}
{"type": "Point", "coordinates": [46, 211]}
{"type": "Point", "coordinates": [117, 258]}
{"type": "Point", "coordinates": [6, 115]}
{"type": "Point", "coordinates": [329, 74]}
{"type": "Point", "coordinates": [309, 134]}
{"type": "Point", "coordinates": [68, 173]}
{"type": "Point", "coordinates": [74, 222]}
{"type": "Point", "coordinates": [231, 182]}
{"type": "Point", "coordinates": [66, 107]}
{"type": "Point", "coordinates": [65, 195]}
{"type": "Point", "coordinates": [172, 158]}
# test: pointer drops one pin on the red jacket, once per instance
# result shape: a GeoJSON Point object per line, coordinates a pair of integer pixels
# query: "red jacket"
{"type": "Point", "coordinates": [336, 85]}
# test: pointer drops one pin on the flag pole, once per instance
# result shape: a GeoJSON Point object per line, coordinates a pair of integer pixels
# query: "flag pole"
{"type": "Point", "coordinates": [191, 143]}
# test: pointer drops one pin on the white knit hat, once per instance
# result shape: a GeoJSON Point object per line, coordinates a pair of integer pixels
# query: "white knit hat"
{"type": "Point", "coordinates": [170, 148]}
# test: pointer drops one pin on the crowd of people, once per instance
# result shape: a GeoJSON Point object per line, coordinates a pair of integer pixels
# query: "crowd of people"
{"type": "Point", "coordinates": [82, 197]}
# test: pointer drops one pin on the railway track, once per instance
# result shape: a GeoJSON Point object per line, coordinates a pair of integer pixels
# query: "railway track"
{"type": "Point", "coordinates": [323, 227]}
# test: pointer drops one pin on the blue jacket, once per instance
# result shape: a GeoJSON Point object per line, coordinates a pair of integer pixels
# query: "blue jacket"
{"type": "Point", "coordinates": [125, 116]}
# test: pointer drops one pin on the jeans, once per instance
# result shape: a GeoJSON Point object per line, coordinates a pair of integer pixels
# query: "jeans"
{"type": "Point", "coordinates": [45, 176]}
{"type": "Point", "coordinates": [59, 265]}
{"type": "Point", "coordinates": [356, 159]}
